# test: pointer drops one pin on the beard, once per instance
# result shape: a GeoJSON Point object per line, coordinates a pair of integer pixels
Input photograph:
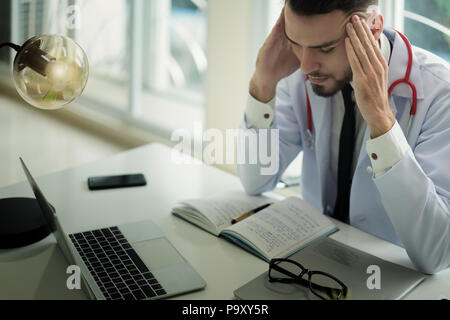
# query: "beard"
{"type": "Point", "coordinates": [338, 86]}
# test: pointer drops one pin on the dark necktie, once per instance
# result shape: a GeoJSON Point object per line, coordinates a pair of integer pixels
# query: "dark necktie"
{"type": "Point", "coordinates": [346, 149]}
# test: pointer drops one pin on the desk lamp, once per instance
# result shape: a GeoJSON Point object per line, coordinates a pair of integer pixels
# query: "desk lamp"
{"type": "Point", "coordinates": [49, 72]}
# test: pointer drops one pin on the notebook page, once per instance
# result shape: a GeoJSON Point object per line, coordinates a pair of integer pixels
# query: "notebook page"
{"type": "Point", "coordinates": [282, 227]}
{"type": "Point", "coordinates": [222, 208]}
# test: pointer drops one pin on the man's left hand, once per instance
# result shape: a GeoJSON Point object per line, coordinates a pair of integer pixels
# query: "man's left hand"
{"type": "Point", "coordinates": [370, 77]}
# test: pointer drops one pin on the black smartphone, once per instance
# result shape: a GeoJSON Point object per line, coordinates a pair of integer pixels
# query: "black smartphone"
{"type": "Point", "coordinates": [119, 181]}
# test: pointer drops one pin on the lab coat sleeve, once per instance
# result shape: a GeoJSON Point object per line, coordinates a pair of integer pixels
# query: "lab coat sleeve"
{"type": "Point", "coordinates": [281, 139]}
{"type": "Point", "coordinates": [415, 192]}
{"type": "Point", "coordinates": [386, 150]}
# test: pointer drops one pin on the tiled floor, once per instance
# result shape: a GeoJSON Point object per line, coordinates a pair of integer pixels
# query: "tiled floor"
{"type": "Point", "coordinates": [46, 144]}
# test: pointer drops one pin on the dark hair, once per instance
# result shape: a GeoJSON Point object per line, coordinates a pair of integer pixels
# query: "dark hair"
{"type": "Point", "coordinates": [313, 7]}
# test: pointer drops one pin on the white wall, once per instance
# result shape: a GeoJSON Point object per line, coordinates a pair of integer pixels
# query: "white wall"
{"type": "Point", "coordinates": [230, 55]}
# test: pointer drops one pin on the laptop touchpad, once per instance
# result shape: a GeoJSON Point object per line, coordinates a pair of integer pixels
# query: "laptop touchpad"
{"type": "Point", "coordinates": [158, 253]}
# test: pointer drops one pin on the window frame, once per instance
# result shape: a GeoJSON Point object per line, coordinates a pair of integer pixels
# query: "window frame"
{"type": "Point", "coordinates": [394, 14]}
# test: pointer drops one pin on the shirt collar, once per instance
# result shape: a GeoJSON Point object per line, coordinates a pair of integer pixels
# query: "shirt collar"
{"type": "Point", "coordinates": [385, 47]}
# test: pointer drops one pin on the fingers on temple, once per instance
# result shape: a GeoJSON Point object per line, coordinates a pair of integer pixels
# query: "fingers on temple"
{"type": "Point", "coordinates": [352, 58]}
{"type": "Point", "coordinates": [366, 37]}
{"type": "Point", "coordinates": [358, 48]}
{"type": "Point", "coordinates": [375, 46]}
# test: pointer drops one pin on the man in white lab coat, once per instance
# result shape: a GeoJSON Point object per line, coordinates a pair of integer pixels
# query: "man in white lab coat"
{"type": "Point", "coordinates": [362, 162]}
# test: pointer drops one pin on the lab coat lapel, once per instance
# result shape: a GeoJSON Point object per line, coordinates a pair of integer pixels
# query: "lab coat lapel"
{"type": "Point", "coordinates": [321, 114]}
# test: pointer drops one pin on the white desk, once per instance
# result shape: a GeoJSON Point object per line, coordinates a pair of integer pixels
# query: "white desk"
{"type": "Point", "coordinates": [38, 271]}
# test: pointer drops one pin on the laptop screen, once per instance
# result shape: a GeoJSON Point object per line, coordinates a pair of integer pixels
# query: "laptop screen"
{"type": "Point", "coordinates": [47, 211]}
{"type": "Point", "coordinates": [49, 214]}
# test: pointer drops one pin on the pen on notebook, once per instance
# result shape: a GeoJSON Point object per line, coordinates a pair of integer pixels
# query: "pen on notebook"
{"type": "Point", "coordinates": [249, 213]}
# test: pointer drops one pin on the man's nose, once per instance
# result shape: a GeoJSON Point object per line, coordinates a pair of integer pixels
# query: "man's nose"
{"type": "Point", "coordinates": [309, 61]}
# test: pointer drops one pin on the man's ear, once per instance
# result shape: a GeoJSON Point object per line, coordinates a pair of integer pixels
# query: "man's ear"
{"type": "Point", "coordinates": [375, 22]}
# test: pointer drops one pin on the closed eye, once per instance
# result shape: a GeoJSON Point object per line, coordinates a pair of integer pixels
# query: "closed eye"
{"type": "Point", "coordinates": [327, 50]}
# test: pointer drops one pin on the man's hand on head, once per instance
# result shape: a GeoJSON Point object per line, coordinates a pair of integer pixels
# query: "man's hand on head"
{"type": "Point", "coordinates": [275, 61]}
{"type": "Point", "coordinates": [370, 77]}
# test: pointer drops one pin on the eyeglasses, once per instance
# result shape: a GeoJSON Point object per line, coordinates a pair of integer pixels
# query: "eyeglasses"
{"type": "Point", "coordinates": [321, 284]}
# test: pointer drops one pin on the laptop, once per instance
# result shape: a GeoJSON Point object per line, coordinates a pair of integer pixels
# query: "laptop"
{"type": "Point", "coordinates": [127, 262]}
{"type": "Point", "coordinates": [349, 265]}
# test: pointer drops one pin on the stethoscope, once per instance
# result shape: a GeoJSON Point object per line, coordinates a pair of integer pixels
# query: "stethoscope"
{"type": "Point", "coordinates": [309, 131]}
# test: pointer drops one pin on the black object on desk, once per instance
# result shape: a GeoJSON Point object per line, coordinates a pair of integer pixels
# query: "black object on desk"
{"type": "Point", "coordinates": [21, 223]}
{"type": "Point", "coordinates": [119, 181]}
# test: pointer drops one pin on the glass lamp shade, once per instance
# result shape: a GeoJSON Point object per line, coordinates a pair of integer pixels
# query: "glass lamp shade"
{"type": "Point", "coordinates": [50, 71]}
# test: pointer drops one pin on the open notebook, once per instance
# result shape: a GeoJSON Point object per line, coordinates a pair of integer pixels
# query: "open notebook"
{"type": "Point", "coordinates": [275, 232]}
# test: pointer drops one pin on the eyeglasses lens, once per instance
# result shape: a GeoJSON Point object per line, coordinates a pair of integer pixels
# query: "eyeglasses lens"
{"type": "Point", "coordinates": [326, 287]}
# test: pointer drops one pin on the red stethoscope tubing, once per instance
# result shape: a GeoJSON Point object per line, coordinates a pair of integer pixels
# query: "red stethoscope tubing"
{"type": "Point", "coordinates": [405, 79]}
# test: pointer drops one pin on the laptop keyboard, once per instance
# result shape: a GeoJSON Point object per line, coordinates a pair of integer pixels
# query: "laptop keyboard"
{"type": "Point", "coordinates": [115, 266]}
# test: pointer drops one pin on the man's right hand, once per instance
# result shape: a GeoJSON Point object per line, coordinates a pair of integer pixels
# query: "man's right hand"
{"type": "Point", "coordinates": [275, 61]}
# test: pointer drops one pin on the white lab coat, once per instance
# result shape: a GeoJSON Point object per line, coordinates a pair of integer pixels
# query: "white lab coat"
{"type": "Point", "coordinates": [409, 204]}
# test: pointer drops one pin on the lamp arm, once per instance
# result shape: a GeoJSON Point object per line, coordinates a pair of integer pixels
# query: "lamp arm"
{"type": "Point", "coordinates": [11, 45]}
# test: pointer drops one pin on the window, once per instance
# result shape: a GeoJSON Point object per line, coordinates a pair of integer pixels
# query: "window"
{"type": "Point", "coordinates": [427, 24]}
{"type": "Point", "coordinates": [188, 63]}
{"type": "Point", "coordinates": [103, 32]}
{"type": "Point", "coordinates": [147, 58]}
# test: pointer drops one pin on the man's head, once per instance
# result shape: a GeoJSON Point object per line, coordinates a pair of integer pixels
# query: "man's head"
{"type": "Point", "coordinates": [316, 31]}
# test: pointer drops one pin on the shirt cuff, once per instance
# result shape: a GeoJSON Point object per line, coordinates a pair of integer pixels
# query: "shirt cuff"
{"type": "Point", "coordinates": [259, 115]}
{"type": "Point", "coordinates": [386, 150]}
